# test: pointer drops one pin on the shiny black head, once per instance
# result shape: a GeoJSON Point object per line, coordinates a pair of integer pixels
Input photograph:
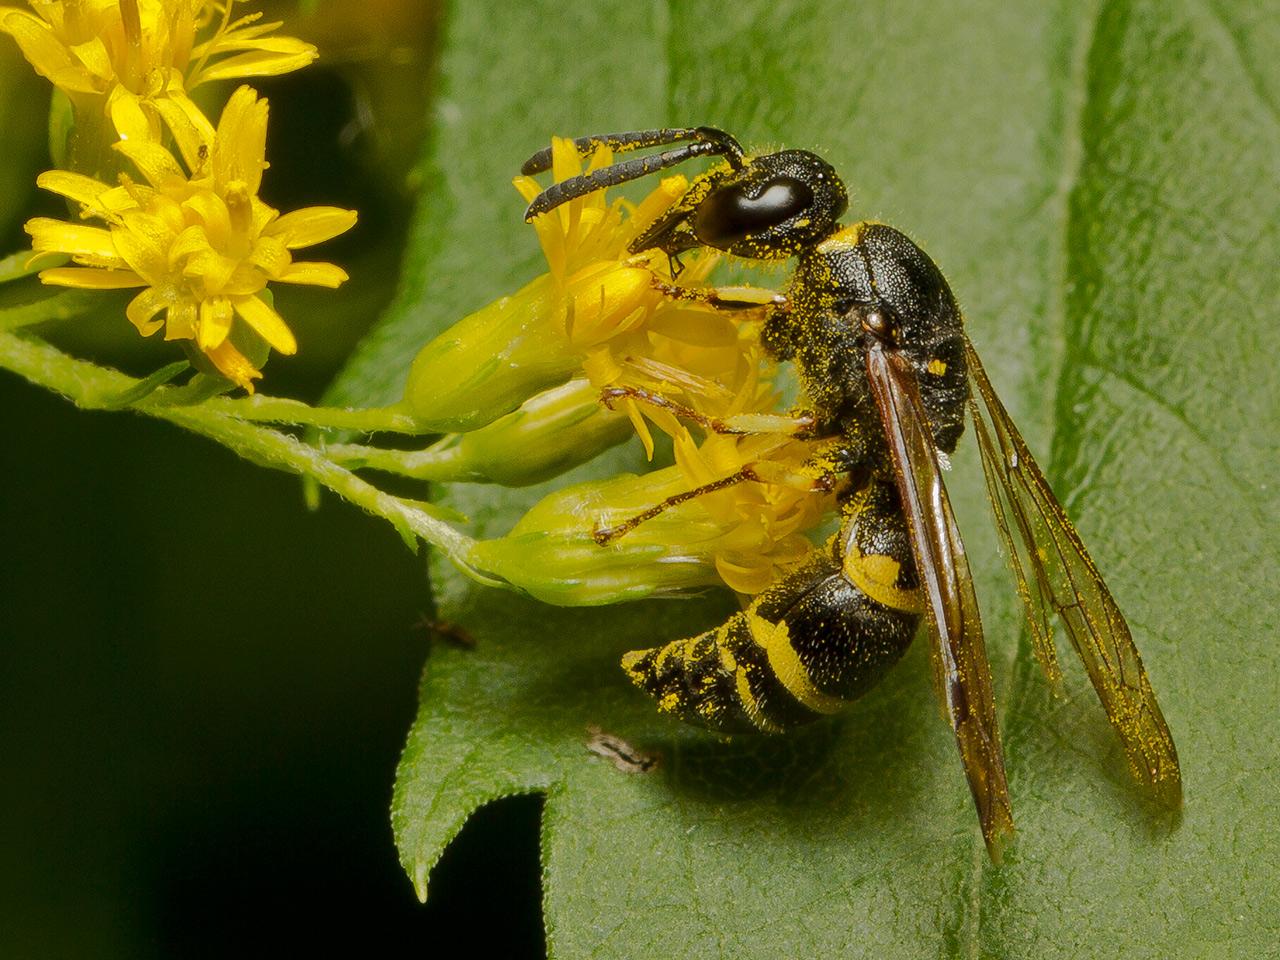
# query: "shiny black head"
{"type": "Point", "coordinates": [762, 208]}
{"type": "Point", "coordinates": [773, 206]}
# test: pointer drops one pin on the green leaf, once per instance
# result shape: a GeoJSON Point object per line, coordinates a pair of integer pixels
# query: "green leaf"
{"type": "Point", "coordinates": [1099, 182]}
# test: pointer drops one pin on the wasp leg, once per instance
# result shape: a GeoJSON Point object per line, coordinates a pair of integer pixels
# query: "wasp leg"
{"type": "Point", "coordinates": [818, 475]}
{"type": "Point", "coordinates": [739, 425]}
{"type": "Point", "coordinates": [722, 298]}
{"type": "Point", "coordinates": [606, 535]}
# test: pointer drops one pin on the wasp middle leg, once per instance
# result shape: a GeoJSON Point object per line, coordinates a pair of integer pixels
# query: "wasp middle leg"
{"type": "Point", "coordinates": [742, 425]}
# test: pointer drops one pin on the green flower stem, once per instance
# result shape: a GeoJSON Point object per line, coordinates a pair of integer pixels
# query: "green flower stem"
{"type": "Point", "coordinates": [430, 464]}
{"type": "Point", "coordinates": [60, 306]}
{"type": "Point", "coordinates": [25, 262]}
{"type": "Point", "coordinates": [269, 409]}
{"type": "Point", "coordinates": [91, 387]}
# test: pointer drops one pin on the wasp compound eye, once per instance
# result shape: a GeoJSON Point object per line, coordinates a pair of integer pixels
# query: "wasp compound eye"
{"type": "Point", "coordinates": [776, 206]}
{"type": "Point", "coordinates": [734, 213]}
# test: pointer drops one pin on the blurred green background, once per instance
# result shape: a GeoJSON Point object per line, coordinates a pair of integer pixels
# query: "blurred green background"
{"type": "Point", "coordinates": [203, 687]}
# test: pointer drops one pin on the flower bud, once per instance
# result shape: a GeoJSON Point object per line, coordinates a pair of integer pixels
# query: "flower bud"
{"type": "Point", "coordinates": [552, 555]}
{"type": "Point", "coordinates": [551, 433]}
{"type": "Point", "coordinates": [492, 361]}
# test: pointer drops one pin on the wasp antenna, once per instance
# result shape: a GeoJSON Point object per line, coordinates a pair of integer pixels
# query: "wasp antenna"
{"type": "Point", "coordinates": [540, 162]}
{"type": "Point", "coordinates": [628, 170]}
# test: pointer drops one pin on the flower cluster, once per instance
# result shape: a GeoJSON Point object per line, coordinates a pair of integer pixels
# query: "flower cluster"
{"type": "Point", "coordinates": [135, 62]}
{"type": "Point", "coordinates": [602, 346]}
{"type": "Point", "coordinates": [606, 322]}
{"type": "Point", "coordinates": [187, 225]}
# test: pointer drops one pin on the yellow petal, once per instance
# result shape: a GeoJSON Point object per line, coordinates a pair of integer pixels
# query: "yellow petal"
{"type": "Point", "coordinates": [182, 30]}
{"type": "Point", "coordinates": [246, 281]}
{"type": "Point", "coordinates": [243, 29]}
{"type": "Point", "coordinates": [270, 256]}
{"type": "Point", "coordinates": [252, 38]}
{"type": "Point", "coordinates": [95, 58]}
{"type": "Point", "coordinates": [215, 322]}
{"type": "Point", "coordinates": [233, 365]}
{"type": "Point", "coordinates": [315, 274]}
{"type": "Point", "coordinates": [152, 160]}
{"type": "Point", "coordinates": [122, 198]}
{"type": "Point", "coordinates": [262, 215]}
{"type": "Point", "coordinates": [641, 427]}
{"type": "Point", "coordinates": [213, 270]}
{"type": "Point", "coordinates": [181, 321]}
{"type": "Point", "coordinates": [91, 278]}
{"type": "Point", "coordinates": [144, 309]}
{"type": "Point", "coordinates": [191, 129]}
{"type": "Point", "coordinates": [46, 53]}
{"type": "Point", "coordinates": [261, 63]}
{"type": "Point", "coordinates": [310, 225]}
{"type": "Point", "coordinates": [77, 239]}
{"type": "Point", "coordinates": [748, 577]}
{"type": "Point", "coordinates": [213, 215]}
{"type": "Point", "coordinates": [242, 141]}
{"type": "Point", "coordinates": [565, 159]}
{"type": "Point", "coordinates": [128, 117]}
{"type": "Point", "coordinates": [269, 324]}
{"type": "Point", "coordinates": [188, 243]}
{"type": "Point", "coordinates": [142, 240]}
{"type": "Point", "coordinates": [527, 187]}
{"type": "Point", "coordinates": [73, 186]}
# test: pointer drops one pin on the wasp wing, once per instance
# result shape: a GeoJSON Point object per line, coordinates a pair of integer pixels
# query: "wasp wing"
{"type": "Point", "coordinates": [961, 670]}
{"type": "Point", "coordinates": [1068, 584]}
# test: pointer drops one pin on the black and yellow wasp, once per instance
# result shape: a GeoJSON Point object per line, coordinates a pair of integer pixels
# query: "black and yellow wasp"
{"type": "Point", "coordinates": [887, 374]}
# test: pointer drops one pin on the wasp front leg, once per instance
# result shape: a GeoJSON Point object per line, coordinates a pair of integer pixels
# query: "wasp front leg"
{"type": "Point", "coordinates": [722, 298]}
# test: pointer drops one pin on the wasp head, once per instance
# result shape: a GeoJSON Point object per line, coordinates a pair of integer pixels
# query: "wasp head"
{"type": "Point", "coordinates": [767, 208]}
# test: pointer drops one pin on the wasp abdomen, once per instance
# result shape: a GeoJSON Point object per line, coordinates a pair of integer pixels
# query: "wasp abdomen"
{"type": "Point", "coordinates": [813, 642]}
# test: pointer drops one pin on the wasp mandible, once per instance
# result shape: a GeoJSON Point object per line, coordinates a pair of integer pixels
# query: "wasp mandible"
{"type": "Point", "coordinates": [887, 376]}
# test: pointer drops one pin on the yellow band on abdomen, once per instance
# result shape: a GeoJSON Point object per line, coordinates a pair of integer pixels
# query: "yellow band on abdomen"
{"type": "Point", "coordinates": [786, 665]}
{"type": "Point", "coordinates": [874, 575]}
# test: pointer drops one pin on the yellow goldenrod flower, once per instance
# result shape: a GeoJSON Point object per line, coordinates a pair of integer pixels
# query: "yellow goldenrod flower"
{"type": "Point", "coordinates": [610, 320]}
{"type": "Point", "coordinates": [202, 244]}
{"type": "Point", "coordinates": [599, 312]}
{"type": "Point", "coordinates": [135, 62]}
{"type": "Point", "coordinates": [743, 535]}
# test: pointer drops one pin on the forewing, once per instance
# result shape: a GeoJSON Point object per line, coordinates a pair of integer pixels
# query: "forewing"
{"type": "Point", "coordinates": [1068, 584]}
{"type": "Point", "coordinates": [961, 669]}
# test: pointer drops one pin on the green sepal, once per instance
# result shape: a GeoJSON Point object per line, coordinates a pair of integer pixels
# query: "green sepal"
{"type": "Point", "coordinates": [145, 386]}
{"type": "Point", "coordinates": [491, 361]}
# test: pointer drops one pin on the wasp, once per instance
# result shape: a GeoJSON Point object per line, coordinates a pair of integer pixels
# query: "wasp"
{"type": "Point", "coordinates": [887, 376]}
